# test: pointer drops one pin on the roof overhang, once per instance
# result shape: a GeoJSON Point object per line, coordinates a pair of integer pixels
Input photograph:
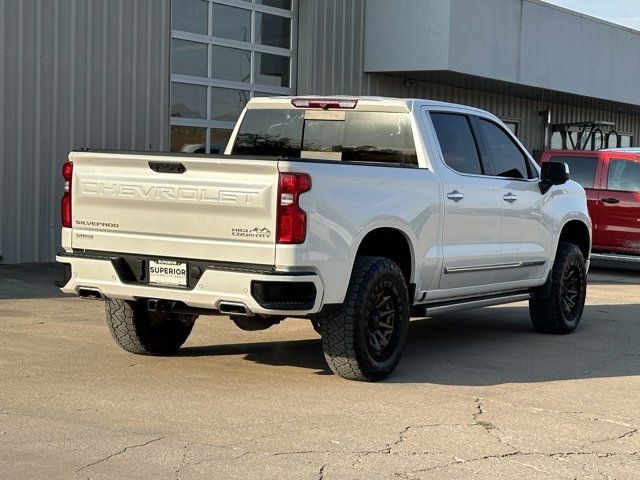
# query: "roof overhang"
{"type": "Point", "coordinates": [471, 82]}
{"type": "Point", "coordinates": [521, 47]}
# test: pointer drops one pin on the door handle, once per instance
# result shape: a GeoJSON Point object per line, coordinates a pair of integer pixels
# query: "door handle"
{"type": "Point", "coordinates": [456, 196]}
{"type": "Point", "coordinates": [610, 200]}
{"type": "Point", "coordinates": [510, 197]}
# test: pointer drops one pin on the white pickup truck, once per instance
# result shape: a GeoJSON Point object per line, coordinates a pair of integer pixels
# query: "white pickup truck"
{"type": "Point", "coordinates": [354, 213]}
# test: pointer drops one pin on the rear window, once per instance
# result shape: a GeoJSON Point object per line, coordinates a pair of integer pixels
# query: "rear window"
{"type": "Point", "coordinates": [581, 169]}
{"type": "Point", "coordinates": [373, 137]}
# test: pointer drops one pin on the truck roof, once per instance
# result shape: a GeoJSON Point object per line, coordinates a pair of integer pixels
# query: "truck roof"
{"type": "Point", "coordinates": [622, 150]}
{"type": "Point", "coordinates": [365, 103]}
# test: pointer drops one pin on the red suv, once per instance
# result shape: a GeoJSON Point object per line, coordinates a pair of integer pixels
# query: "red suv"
{"type": "Point", "coordinates": [611, 179]}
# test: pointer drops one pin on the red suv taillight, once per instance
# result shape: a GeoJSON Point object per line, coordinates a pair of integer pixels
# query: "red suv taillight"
{"type": "Point", "coordinates": [291, 219]}
{"type": "Point", "coordinates": [65, 204]}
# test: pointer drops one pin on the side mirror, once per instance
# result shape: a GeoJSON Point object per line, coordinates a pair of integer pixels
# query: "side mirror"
{"type": "Point", "coordinates": [553, 173]}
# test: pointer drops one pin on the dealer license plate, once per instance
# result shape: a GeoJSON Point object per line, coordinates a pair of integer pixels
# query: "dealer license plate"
{"type": "Point", "coordinates": [168, 272]}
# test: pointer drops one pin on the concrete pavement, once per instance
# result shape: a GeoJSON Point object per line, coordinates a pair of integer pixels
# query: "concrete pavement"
{"type": "Point", "coordinates": [477, 395]}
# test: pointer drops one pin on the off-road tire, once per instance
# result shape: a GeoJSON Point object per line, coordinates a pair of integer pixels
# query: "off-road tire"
{"type": "Point", "coordinates": [142, 332]}
{"type": "Point", "coordinates": [557, 306]}
{"type": "Point", "coordinates": [346, 333]}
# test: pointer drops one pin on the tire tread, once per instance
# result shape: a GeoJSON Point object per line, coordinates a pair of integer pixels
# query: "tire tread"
{"type": "Point", "coordinates": [338, 329]}
{"type": "Point", "coordinates": [131, 329]}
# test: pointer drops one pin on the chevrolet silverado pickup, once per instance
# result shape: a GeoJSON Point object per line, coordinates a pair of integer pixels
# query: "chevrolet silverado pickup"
{"type": "Point", "coordinates": [352, 213]}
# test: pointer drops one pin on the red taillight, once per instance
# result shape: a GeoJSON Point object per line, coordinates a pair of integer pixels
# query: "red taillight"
{"type": "Point", "coordinates": [65, 204]}
{"type": "Point", "coordinates": [324, 103]}
{"type": "Point", "coordinates": [291, 219]}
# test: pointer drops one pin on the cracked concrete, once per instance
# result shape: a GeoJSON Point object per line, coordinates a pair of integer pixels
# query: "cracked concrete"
{"type": "Point", "coordinates": [478, 395]}
{"type": "Point", "coordinates": [119, 452]}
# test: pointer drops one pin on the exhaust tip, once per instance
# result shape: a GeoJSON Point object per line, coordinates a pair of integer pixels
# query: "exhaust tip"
{"type": "Point", "coordinates": [234, 308]}
{"type": "Point", "coordinates": [90, 293]}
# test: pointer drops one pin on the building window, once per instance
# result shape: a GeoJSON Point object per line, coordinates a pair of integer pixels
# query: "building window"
{"type": "Point", "coordinates": [188, 101]}
{"type": "Point", "coordinates": [286, 4]}
{"type": "Point", "coordinates": [190, 16]}
{"type": "Point", "coordinates": [273, 30]}
{"type": "Point", "coordinates": [223, 53]}
{"type": "Point", "coordinates": [272, 70]}
{"type": "Point", "coordinates": [188, 139]}
{"type": "Point", "coordinates": [513, 125]}
{"type": "Point", "coordinates": [231, 64]}
{"type": "Point", "coordinates": [188, 58]}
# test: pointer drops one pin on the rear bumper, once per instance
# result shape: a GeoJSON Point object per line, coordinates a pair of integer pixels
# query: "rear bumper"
{"type": "Point", "coordinates": [255, 290]}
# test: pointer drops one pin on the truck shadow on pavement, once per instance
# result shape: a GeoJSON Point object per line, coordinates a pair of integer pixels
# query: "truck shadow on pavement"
{"type": "Point", "coordinates": [295, 353]}
{"type": "Point", "coordinates": [493, 346]}
{"type": "Point", "coordinates": [613, 276]}
{"type": "Point", "coordinates": [489, 346]}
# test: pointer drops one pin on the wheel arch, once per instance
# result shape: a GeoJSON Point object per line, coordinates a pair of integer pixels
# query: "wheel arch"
{"type": "Point", "coordinates": [577, 232]}
{"type": "Point", "coordinates": [388, 242]}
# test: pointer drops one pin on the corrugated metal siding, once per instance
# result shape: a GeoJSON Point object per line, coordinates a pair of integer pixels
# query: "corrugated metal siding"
{"type": "Point", "coordinates": [331, 59]}
{"type": "Point", "coordinates": [73, 74]}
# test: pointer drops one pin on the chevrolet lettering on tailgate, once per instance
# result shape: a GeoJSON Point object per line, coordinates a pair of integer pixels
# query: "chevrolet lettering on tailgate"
{"type": "Point", "coordinates": [210, 195]}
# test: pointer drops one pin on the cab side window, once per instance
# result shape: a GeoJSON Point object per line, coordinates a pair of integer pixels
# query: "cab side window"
{"type": "Point", "coordinates": [457, 142]}
{"type": "Point", "coordinates": [623, 175]}
{"type": "Point", "coordinates": [506, 158]}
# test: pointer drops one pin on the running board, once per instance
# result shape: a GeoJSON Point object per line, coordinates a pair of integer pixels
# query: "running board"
{"type": "Point", "coordinates": [612, 260]}
{"type": "Point", "coordinates": [473, 302]}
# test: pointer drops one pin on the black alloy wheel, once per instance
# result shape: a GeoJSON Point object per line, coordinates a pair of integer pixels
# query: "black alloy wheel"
{"type": "Point", "coordinates": [381, 332]}
{"type": "Point", "coordinates": [569, 295]}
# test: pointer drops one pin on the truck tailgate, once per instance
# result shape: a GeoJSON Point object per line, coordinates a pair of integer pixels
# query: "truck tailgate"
{"type": "Point", "coordinates": [210, 208]}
